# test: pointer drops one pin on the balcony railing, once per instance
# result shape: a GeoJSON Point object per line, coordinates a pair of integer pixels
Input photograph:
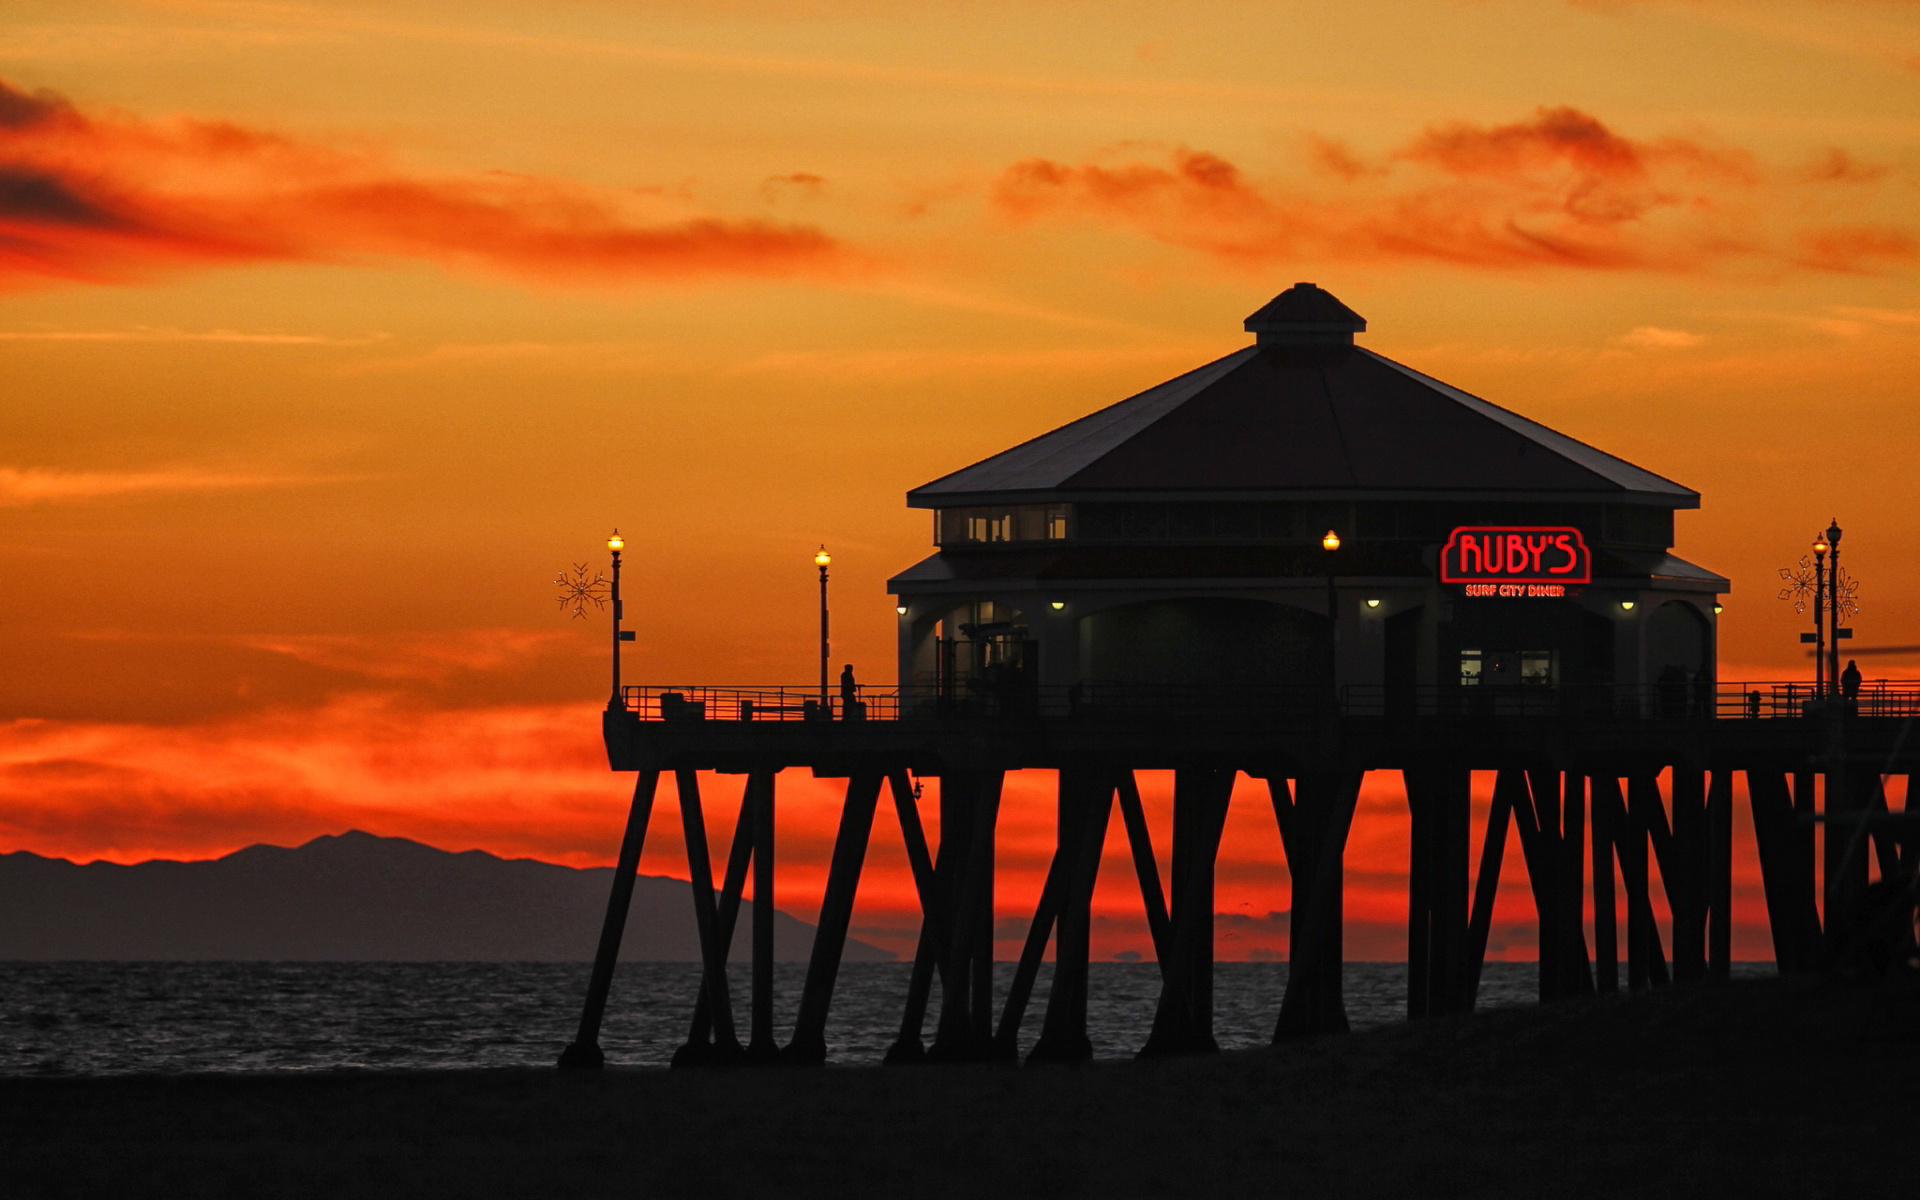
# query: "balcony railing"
{"type": "Point", "coordinates": [1262, 703]}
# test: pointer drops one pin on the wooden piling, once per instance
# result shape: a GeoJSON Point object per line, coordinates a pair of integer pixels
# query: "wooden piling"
{"type": "Point", "coordinates": [1486, 890]}
{"type": "Point", "coordinates": [1605, 804]}
{"type": "Point", "coordinates": [1085, 804]}
{"type": "Point", "coordinates": [713, 951]}
{"type": "Point", "coordinates": [809, 1042]}
{"type": "Point", "coordinates": [932, 942]}
{"type": "Point", "coordinates": [1183, 1016]}
{"type": "Point", "coordinates": [584, 1053]}
{"type": "Point", "coordinates": [1323, 810]}
{"type": "Point", "coordinates": [761, 1045]}
{"type": "Point", "coordinates": [1720, 876]}
{"type": "Point", "coordinates": [699, 1048]}
{"type": "Point", "coordinates": [1683, 870]}
{"type": "Point", "coordinates": [969, 810]}
{"type": "Point", "coordinates": [1146, 868]}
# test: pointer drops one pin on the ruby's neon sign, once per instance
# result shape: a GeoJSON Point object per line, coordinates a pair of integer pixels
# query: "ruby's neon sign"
{"type": "Point", "coordinates": [1516, 560]}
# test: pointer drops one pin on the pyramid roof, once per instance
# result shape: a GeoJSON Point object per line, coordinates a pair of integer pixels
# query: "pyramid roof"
{"type": "Point", "coordinates": [1304, 414]}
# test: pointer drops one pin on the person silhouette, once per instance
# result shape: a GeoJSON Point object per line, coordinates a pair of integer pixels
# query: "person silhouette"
{"type": "Point", "coordinates": [1850, 680]}
{"type": "Point", "coordinates": [849, 692]}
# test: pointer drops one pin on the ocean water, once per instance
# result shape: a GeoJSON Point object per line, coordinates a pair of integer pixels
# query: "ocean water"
{"type": "Point", "coordinates": [91, 1018]}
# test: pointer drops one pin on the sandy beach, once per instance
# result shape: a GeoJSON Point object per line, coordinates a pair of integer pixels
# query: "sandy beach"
{"type": "Point", "coordinates": [1774, 1088]}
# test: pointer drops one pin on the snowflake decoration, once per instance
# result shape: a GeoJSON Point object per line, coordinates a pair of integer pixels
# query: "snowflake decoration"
{"type": "Point", "coordinates": [1800, 584]}
{"type": "Point", "coordinates": [1848, 600]}
{"type": "Point", "coordinates": [578, 589]}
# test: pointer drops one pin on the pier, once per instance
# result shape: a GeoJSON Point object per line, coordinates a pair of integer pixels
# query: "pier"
{"type": "Point", "coordinates": [1599, 809]}
{"type": "Point", "coordinates": [1303, 564]}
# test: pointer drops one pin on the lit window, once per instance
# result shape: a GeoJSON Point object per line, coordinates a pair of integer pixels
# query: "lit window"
{"type": "Point", "coordinates": [1536, 667]}
{"type": "Point", "coordinates": [1470, 663]}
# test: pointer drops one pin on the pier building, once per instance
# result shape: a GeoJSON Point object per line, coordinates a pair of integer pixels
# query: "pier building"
{"type": "Point", "coordinates": [1303, 513]}
{"type": "Point", "coordinates": [1298, 564]}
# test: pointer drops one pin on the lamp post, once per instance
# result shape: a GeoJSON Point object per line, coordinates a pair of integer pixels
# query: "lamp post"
{"type": "Point", "coordinates": [1820, 548]}
{"type": "Point", "coordinates": [1331, 543]}
{"type": "Point", "coordinates": [1834, 632]}
{"type": "Point", "coordinates": [823, 560]}
{"type": "Point", "coordinates": [616, 544]}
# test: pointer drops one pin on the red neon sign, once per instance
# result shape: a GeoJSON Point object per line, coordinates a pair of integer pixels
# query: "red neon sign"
{"type": "Point", "coordinates": [1516, 560]}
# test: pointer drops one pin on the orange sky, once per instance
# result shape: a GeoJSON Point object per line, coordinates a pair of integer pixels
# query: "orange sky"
{"type": "Point", "coordinates": [333, 330]}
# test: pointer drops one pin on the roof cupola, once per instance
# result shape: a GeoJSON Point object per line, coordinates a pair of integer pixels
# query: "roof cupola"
{"type": "Point", "coordinates": [1305, 315]}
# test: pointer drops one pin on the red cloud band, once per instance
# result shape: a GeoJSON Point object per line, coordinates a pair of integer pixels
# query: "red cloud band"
{"type": "Point", "coordinates": [107, 199]}
{"type": "Point", "coordinates": [1558, 189]}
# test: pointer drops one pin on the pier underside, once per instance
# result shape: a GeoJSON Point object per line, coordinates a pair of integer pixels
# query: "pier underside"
{"type": "Point", "coordinates": [1608, 813]}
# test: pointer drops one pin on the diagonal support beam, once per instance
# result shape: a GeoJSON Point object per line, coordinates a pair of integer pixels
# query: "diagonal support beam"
{"type": "Point", "coordinates": [713, 952]}
{"type": "Point", "coordinates": [809, 1044]}
{"type": "Point", "coordinates": [1486, 887]}
{"type": "Point", "coordinates": [700, 1037]}
{"type": "Point", "coordinates": [1086, 808]}
{"type": "Point", "coordinates": [1146, 868]}
{"type": "Point", "coordinates": [584, 1053]}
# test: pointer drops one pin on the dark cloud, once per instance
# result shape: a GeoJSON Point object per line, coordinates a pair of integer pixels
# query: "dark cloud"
{"type": "Point", "coordinates": [191, 193]}
{"type": "Point", "coordinates": [20, 109]}
{"type": "Point", "coordinates": [28, 195]}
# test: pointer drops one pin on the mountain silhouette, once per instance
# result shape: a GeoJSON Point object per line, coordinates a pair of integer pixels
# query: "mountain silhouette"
{"type": "Point", "coordinates": [353, 897]}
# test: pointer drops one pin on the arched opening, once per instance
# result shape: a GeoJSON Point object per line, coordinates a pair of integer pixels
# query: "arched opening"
{"type": "Point", "coordinates": [987, 660]}
{"type": "Point", "coordinates": [1679, 657]}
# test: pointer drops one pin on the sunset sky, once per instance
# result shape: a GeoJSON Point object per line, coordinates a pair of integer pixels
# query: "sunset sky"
{"type": "Point", "coordinates": [332, 331]}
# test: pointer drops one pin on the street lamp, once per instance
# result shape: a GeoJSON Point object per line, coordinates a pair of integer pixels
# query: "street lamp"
{"type": "Point", "coordinates": [1820, 548]}
{"type": "Point", "coordinates": [1834, 631]}
{"type": "Point", "coordinates": [1331, 543]}
{"type": "Point", "coordinates": [823, 560]}
{"type": "Point", "coordinates": [616, 544]}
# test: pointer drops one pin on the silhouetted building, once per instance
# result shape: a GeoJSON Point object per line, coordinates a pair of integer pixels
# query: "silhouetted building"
{"type": "Point", "coordinates": [1294, 566]}
{"type": "Point", "coordinates": [1175, 538]}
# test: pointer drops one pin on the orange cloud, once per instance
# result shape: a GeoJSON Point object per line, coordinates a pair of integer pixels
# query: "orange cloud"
{"type": "Point", "coordinates": [432, 657]}
{"type": "Point", "coordinates": [1652, 337]}
{"type": "Point", "coordinates": [1560, 189]}
{"type": "Point", "coordinates": [114, 198]}
{"type": "Point", "coordinates": [21, 486]}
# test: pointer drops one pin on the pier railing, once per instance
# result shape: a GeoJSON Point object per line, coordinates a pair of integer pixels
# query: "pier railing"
{"type": "Point", "coordinates": [1262, 703]}
{"type": "Point", "coordinates": [1751, 700]}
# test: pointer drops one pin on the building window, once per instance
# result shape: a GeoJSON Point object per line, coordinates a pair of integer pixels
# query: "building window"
{"type": "Point", "coordinates": [1015, 523]}
{"type": "Point", "coordinates": [990, 527]}
{"type": "Point", "coordinates": [1471, 662]}
{"type": "Point", "coordinates": [1526, 668]}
